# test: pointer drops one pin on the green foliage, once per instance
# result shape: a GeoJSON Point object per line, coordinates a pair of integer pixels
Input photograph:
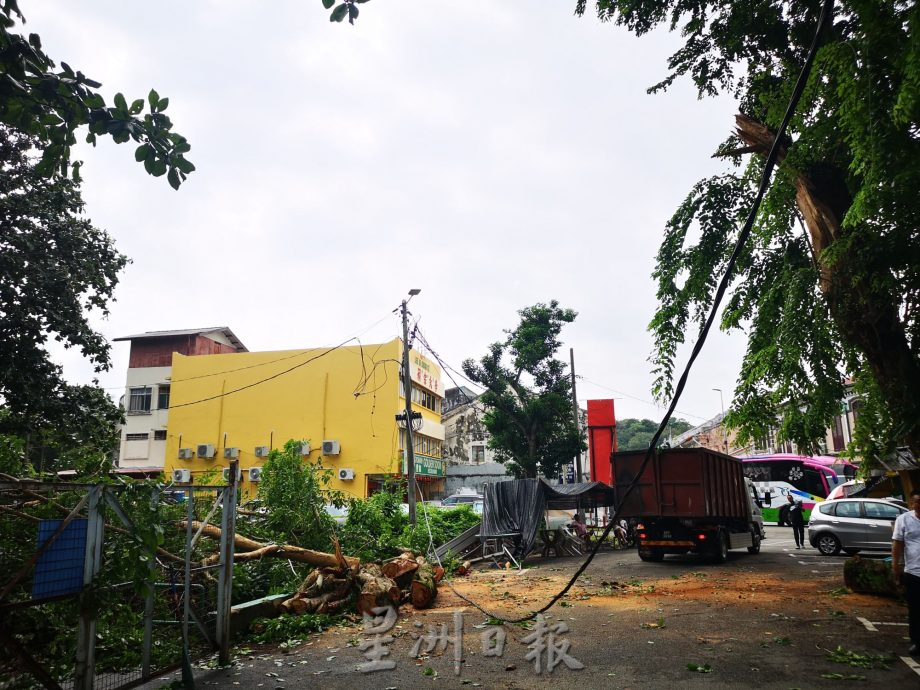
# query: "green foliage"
{"type": "Point", "coordinates": [860, 659]}
{"type": "Point", "coordinates": [377, 527]}
{"type": "Point", "coordinates": [294, 492]}
{"type": "Point", "coordinates": [817, 305]}
{"type": "Point", "coordinates": [347, 8]}
{"type": "Point", "coordinates": [636, 434]}
{"type": "Point", "coordinates": [528, 395]}
{"type": "Point", "coordinates": [57, 270]}
{"type": "Point", "coordinates": [51, 104]}
{"type": "Point", "coordinates": [287, 628]}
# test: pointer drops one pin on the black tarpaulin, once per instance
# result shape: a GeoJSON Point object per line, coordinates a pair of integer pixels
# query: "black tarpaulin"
{"type": "Point", "coordinates": [514, 509]}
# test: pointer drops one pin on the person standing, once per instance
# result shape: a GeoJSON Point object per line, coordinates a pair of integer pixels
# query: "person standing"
{"type": "Point", "coordinates": [905, 564]}
{"type": "Point", "coordinates": [797, 520]}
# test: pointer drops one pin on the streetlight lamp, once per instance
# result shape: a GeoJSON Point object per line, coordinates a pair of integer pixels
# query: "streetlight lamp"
{"type": "Point", "coordinates": [722, 420]}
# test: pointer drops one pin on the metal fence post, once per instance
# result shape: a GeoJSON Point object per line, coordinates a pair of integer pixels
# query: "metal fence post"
{"type": "Point", "coordinates": [86, 627]}
{"type": "Point", "coordinates": [225, 580]}
{"type": "Point", "coordinates": [149, 600]}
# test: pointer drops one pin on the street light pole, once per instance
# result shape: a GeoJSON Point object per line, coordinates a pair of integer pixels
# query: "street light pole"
{"type": "Point", "coordinates": [407, 395]}
{"type": "Point", "coordinates": [722, 420]}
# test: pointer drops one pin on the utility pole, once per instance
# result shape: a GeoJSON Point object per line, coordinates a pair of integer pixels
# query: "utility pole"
{"type": "Point", "coordinates": [575, 419]}
{"type": "Point", "coordinates": [407, 394]}
{"type": "Point", "coordinates": [722, 421]}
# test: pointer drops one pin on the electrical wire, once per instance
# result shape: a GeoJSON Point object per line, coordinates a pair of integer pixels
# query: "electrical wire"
{"type": "Point", "coordinates": [824, 19]}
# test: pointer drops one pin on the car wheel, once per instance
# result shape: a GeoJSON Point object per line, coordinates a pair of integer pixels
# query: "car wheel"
{"type": "Point", "coordinates": [828, 544]}
{"type": "Point", "coordinates": [651, 556]}
{"type": "Point", "coordinates": [721, 554]}
{"type": "Point", "coordinates": [851, 552]}
{"type": "Point", "coordinates": [755, 543]}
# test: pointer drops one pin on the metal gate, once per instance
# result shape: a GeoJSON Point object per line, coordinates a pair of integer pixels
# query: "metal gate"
{"type": "Point", "coordinates": [97, 579]}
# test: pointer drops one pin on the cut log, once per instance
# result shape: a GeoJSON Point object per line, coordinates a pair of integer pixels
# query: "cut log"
{"type": "Point", "coordinates": [424, 588]}
{"type": "Point", "coordinates": [376, 589]}
{"type": "Point", "coordinates": [400, 570]}
{"type": "Point", "coordinates": [464, 568]}
{"type": "Point", "coordinates": [438, 574]}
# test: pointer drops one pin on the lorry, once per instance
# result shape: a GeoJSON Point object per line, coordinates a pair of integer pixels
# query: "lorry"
{"type": "Point", "coordinates": [688, 500]}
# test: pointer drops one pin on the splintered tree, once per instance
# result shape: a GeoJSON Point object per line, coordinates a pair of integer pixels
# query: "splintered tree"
{"type": "Point", "coordinates": [528, 395]}
{"type": "Point", "coordinates": [828, 286]}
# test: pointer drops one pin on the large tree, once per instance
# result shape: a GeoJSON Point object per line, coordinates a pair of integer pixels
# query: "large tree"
{"type": "Point", "coordinates": [828, 285]}
{"type": "Point", "coordinates": [636, 434]}
{"type": "Point", "coordinates": [528, 395]}
{"type": "Point", "coordinates": [57, 268]}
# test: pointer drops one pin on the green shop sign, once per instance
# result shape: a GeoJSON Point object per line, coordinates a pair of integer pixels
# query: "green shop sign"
{"type": "Point", "coordinates": [426, 466]}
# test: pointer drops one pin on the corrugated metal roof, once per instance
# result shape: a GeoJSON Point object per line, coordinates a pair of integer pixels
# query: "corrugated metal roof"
{"type": "Point", "coordinates": [189, 331]}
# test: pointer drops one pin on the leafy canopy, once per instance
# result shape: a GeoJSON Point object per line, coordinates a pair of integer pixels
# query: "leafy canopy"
{"type": "Point", "coordinates": [827, 288]}
{"type": "Point", "coordinates": [528, 395]}
{"type": "Point", "coordinates": [636, 434]}
{"type": "Point", "coordinates": [51, 104]}
{"type": "Point", "coordinates": [57, 269]}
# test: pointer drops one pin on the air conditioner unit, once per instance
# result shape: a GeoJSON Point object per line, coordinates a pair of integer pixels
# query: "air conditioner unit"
{"type": "Point", "coordinates": [231, 453]}
{"type": "Point", "coordinates": [255, 474]}
{"type": "Point", "coordinates": [261, 451]}
{"type": "Point", "coordinates": [182, 476]}
{"type": "Point", "coordinates": [305, 448]}
{"type": "Point", "coordinates": [186, 453]}
{"type": "Point", "coordinates": [346, 474]}
{"type": "Point", "coordinates": [332, 448]}
{"type": "Point", "coordinates": [206, 450]}
{"type": "Point", "coordinates": [226, 474]}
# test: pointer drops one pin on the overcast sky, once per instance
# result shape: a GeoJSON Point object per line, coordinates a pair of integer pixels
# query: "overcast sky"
{"type": "Point", "coordinates": [493, 155]}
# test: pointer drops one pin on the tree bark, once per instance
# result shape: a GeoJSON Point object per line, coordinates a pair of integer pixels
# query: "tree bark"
{"type": "Point", "coordinates": [424, 589]}
{"type": "Point", "coordinates": [858, 295]}
{"type": "Point", "coordinates": [319, 559]}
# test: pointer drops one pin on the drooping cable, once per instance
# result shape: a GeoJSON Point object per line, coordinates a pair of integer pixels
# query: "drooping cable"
{"type": "Point", "coordinates": [824, 19]}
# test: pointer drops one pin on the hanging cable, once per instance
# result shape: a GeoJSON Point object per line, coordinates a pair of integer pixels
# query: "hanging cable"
{"type": "Point", "coordinates": [824, 19]}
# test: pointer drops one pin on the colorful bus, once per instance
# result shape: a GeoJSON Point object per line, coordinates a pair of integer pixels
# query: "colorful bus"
{"type": "Point", "coordinates": [807, 479]}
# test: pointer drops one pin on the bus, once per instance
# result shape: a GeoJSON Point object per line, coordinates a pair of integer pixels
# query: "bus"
{"type": "Point", "coordinates": [807, 479]}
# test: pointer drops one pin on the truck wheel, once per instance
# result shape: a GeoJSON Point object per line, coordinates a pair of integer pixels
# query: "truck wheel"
{"type": "Point", "coordinates": [651, 556]}
{"type": "Point", "coordinates": [721, 554]}
{"type": "Point", "coordinates": [755, 543]}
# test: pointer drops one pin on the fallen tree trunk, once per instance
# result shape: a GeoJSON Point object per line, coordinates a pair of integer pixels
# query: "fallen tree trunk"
{"type": "Point", "coordinates": [248, 546]}
{"type": "Point", "coordinates": [376, 590]}
{"type": "Point", "coordinates": [870, 577]}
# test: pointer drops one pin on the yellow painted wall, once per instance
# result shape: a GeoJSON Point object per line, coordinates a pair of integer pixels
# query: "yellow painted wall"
{"type": "Point", "coordinates": [225, 400]}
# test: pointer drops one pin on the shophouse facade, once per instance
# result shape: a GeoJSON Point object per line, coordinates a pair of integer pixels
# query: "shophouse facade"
{"type": "Point", "coordinates": [340, 403]}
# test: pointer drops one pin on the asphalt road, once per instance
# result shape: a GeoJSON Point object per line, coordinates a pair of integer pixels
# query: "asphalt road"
{"type": "Point", "coordinates": [759, 621]}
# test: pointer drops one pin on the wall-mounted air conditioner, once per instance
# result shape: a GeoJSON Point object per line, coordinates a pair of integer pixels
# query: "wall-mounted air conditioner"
{"type": "Point", "coordinates": [261, 451]}
{"type": "Point", "coordinates": [332, 448]}
{"type": "Point", "coordinates": [255, 474]}
{"type": "Point", "coordinates": [182, 476]}
{"type": "Point", "coordinates": [346, 474]}
{"type": "Point", "coordinates": [305, 448]}
{"type": "Point", "coordinates": [226, 474]}
{"type": "Point", "coordinates": [231, 453]}
{"type": "Point", "coordinates": [186, 453]}
{"type": "Point", "coordinates": [206, 450]}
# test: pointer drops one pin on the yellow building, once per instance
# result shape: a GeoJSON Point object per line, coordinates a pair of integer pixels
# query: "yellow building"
{"type": "Point", "coordinates": [341, 402]}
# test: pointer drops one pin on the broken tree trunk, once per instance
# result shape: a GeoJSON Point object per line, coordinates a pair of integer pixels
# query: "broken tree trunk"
{"type": "Point", "coordinates": [424, 587]}
{"type": "Point", "coordinates": [401, 570]}
{"type": "Point", "coordinates": [869, 577]}
{"type": "Point", "coordinates": [250, 549]}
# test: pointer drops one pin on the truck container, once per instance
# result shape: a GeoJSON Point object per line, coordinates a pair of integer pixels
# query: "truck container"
{"type": "Point", "coordinates": [688, 500]}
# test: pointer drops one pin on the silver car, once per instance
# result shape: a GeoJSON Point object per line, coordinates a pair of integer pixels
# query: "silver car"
{"type": "Point", "coordinates": [853, 524]}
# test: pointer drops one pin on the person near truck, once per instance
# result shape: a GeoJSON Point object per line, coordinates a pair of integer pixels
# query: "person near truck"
{"type": "Point", "coordinates": [797, 520]}
{"type": "Point", "coordinates": [905, 564]}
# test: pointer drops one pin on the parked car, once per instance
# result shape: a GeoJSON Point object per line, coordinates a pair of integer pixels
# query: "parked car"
{"type": "Point", "coordinates": [462, 496]}
{"type": "Point", "coordinates": [853, 524]}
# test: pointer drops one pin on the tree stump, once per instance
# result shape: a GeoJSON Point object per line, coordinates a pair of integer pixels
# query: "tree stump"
{"type": "Point", "coordinates": [870, 577]}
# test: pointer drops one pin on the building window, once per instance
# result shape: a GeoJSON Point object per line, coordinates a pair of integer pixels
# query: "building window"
{"type": "Point", "coordinates": [159, 435]}
{"type": "Point", "coordinates": [422, 445]}
{"type": "Point", "coordinates": [479, 454]}
{"type": "Point", "coordinates": [139, 400]}
{"type": "Point", "coordinates": [424, 398]}
{"type": "Point", "coordinates": [136, 437]}
{"type": "Point", "coordinates": [162, 397]}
